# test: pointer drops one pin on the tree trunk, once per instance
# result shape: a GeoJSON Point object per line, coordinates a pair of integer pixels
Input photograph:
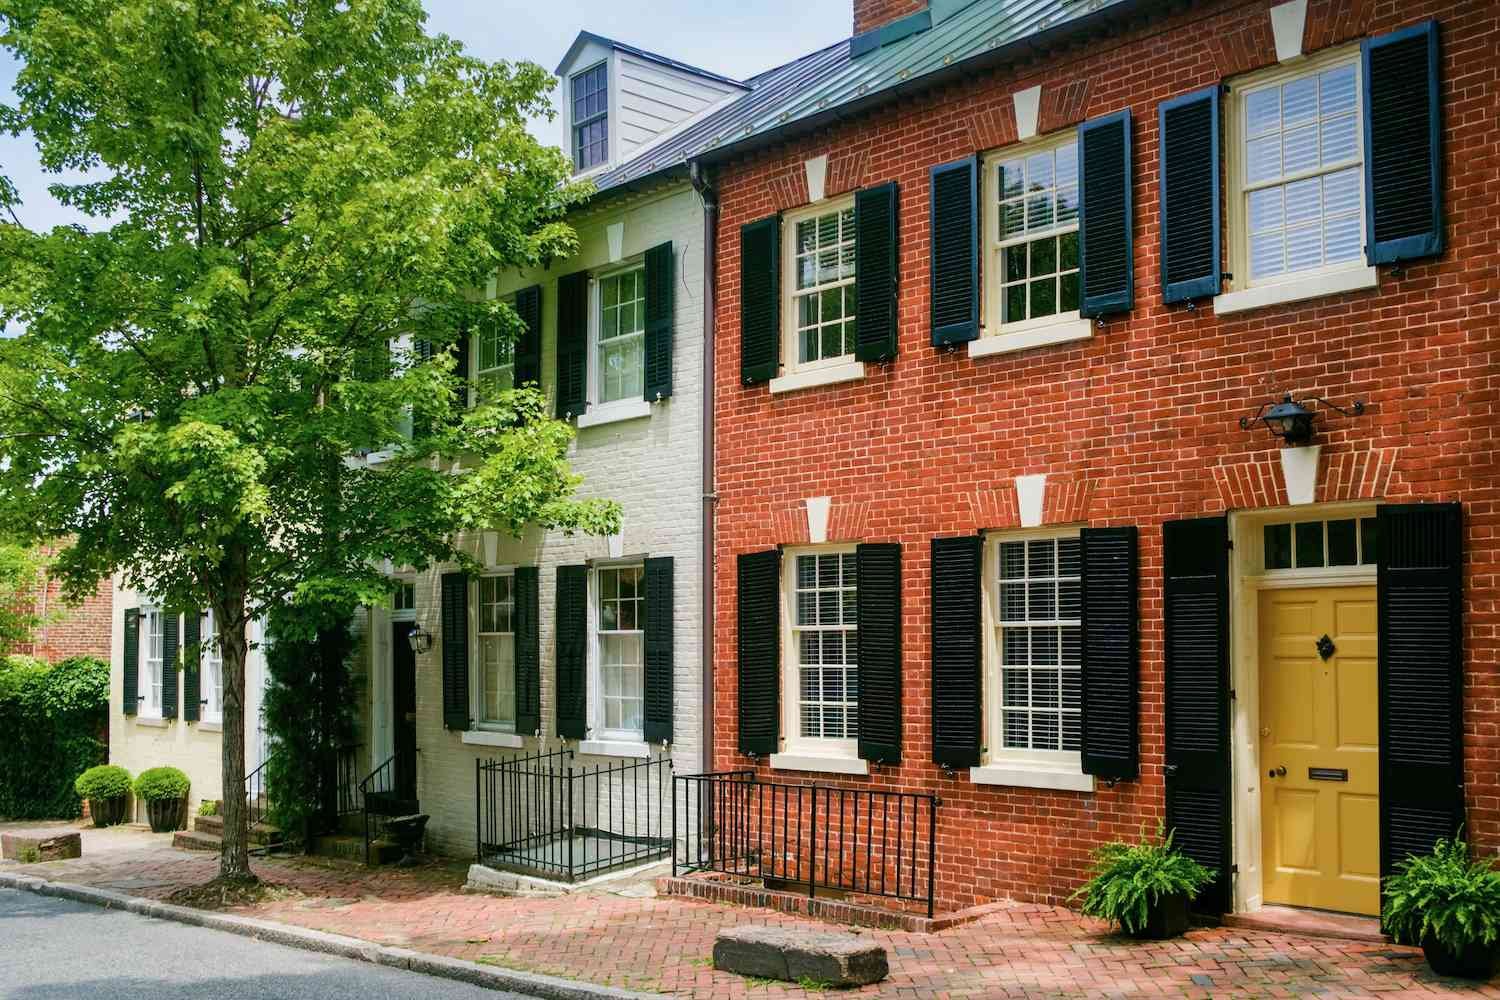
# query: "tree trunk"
{"type": "Point", "coordinates": [234, 850]}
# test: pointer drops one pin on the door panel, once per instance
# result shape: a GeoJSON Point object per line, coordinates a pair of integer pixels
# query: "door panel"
{"type": "Point", "coordinates": [1319, 749]}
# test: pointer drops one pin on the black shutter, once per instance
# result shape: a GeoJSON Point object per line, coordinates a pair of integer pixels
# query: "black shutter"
{"type": "Point", "coordinates": [192, 658]}
{"type": "Point", "coordinates": [1421, 677]}
{"type": "Point", "coordinates": [659, 610]}
{"type": "Point", "coordinates": [759, 648]}
{"type": "Point", "coordinates": [1111, 646]}
{"type": "Point", "coordinates": [955, 252]}
{"type": "Point", "coordinates": [130, 668]}
{"type": "Point", "coordinates": [455, 628]}
{"type": "Point", "coordinates": [168, 665]}
{"type": "Point", "coordinates": [760, 300]}
{"type": "Point", "coordinates": [528, 352]}
{"type": "Point", "coordinates": [878, 597]}
{"type": "Point", "coordinates": [661, 277]}
{"type": "Point", "coordinates": [1189, 138]}
{"type": "Point", "coordinates": [1195, 557]}
{"type": "Point", "coordinates": [1106, 267]}
{"type": "Point", "coordinates": [572, 651]}
{"type": "Point", "coordinates": [876, 272]}
{"type": "Point", "coordinates": [461, 371]}
{"type": "Point", "coordinates": [1403, 145]}
{"type": "Point", "coordinates": [572, 344]}
{"type": "Point", "coordinates": [957, 720]}
{"type": "Point", "coordinates": [528, 652]}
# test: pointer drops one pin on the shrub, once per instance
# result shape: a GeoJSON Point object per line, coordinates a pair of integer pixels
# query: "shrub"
{"type": "Point", "coordinates": [158, 783]}
{"type": "Point", "coordinates": [1445, 896]}
{"type": "Point", "coordinates": [208, 807]}
{"type": "Point", "coordinates": [53, 718]}
{"type": "Point", "coordinates": [1128, 879]}
{"type": "Point", "coordinates": [103, 781]}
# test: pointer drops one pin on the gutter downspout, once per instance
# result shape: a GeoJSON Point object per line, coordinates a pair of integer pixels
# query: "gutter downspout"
{"type": "Point", "coordinates": [710, 496]}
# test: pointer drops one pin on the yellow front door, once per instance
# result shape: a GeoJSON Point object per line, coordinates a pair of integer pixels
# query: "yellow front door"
{"type": "Point", "coordinates": [1319, 768]}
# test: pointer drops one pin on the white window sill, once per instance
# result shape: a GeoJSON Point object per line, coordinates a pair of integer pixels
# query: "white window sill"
{"type": "Point", "coordinates": [489, 738]}
{"type": "Point", "coordinates": [613, 413]}
{"type": "Point", "coordinates": [1297, 289]}
{"type": "Point", "coordinates": [827, 763]}
{"type": "Point", "coordinates": [809, 378]}
{"type": "Point", "coordinates": [1031, 776]}
{"type": "Point", "coordinates": [1052, 333]}
{"type": "Point", "coordinates": [614, 748]}
{"type": "Point", "coordinates": [154, 721]}
{"type": "Point", "coordinates": [210, 726]}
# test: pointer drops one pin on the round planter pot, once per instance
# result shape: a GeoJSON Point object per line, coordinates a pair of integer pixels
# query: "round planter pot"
{"type": "Point", "coordinates": [110, 811]}
{"type": "Point", "coordinates": [1475, 962]}
{"type": "Point", "coordinates": [166, 815]}
{"type": "Point", "coordinates": [1168, 918]}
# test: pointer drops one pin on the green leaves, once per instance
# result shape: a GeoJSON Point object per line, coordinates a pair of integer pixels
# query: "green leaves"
{"type": "Point", "coordinates": [1130, 878]}
{"type": "Point", "coordinates": [1445, 896]}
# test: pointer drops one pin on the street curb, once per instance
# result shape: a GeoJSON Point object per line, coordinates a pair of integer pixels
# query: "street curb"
{"type": "Point", "coordinates": [476, 974]}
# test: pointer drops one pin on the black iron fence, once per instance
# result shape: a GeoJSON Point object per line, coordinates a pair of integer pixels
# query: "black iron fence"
{"type": "Point", "coordinates": [347, 796]}
{"type": "Point", "coordinates": [389, 790]}
{"type": "Point", "coordinates": [257, 799]}
{"type": "Point", "coordinates": [546, 815]}
{"type": "Point", "coordinates": [806, 837]}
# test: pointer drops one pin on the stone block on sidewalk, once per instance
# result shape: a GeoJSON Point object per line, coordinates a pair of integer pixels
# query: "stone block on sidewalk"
{"type": "Point", "coordinates": [795, 955]}
{"type": "Point", "coordinates": [32, 846]}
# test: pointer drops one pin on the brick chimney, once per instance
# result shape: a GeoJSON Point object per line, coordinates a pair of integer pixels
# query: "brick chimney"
{"type": "Point", "coordinates": [870, 14]}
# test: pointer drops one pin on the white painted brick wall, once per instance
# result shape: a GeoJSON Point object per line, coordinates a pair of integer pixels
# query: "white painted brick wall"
{"type": "Point", "coordinates": [652, 466]}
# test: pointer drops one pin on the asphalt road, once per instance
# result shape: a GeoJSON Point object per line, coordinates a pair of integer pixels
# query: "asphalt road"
{"type": "Point", "coordinates": [55, 948]}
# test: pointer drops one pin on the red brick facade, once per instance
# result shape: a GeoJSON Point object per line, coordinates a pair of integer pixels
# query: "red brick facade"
{"type": "Point", "coordinates": [873, 13]}
{"type": "Point", "coordinates": [1136, 425]}
{"type": "Point", "coordinates": [71, 630]}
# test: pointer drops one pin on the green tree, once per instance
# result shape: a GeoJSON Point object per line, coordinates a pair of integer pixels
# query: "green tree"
{"type": "Point", "coordinates": [284, 188]}
{"type": "Point", "coordinates": [21, 577]}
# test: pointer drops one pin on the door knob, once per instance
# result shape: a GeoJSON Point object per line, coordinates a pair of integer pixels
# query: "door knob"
{"type": "Point", "coordinates": [1277, 772]}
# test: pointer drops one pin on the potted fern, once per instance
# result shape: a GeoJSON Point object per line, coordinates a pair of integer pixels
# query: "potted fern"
{"type": "Point", "coordinates": [1449, 903]}
{"type": "Point", "coordinates": [1143, 888]}
{"type": "Point", "coordinates": [164, 790]}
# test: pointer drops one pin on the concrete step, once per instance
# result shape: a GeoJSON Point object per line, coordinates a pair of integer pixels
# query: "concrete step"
{"type": "Point", "coordinates": [261, 834]}
{"type": "Point", "coordinates": [209, 824]}
{"type": "Point", "coordinates": [196, 840]}
{"type": "Point", "coordinates": [351, 847]}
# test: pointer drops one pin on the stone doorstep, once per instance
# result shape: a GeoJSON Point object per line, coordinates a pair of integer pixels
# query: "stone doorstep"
{"type": "Point", "coordinates": [500, 882]}
{"type": "Point", "coordinates": [797, 955]}
{"type": "Point", "coordinates": [48, 845]}
{"type": "Point", "coordinates": [839, 911]}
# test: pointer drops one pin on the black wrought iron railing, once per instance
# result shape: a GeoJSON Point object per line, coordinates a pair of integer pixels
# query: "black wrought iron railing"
{"type": "Point", "coordinates": [389, 790]}
{"type": "Point", "coordinates": [346, 781]}
{"type": "Point", "coordinates": [864, 841]}
{"type": "Point", "coordinates": [257, 797]}
{"type": "Point", "coordinates": [544, 814]}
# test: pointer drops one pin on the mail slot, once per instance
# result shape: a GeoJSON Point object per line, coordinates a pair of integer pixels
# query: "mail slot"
{"type": "Point", "coordinates": [1328, 774]}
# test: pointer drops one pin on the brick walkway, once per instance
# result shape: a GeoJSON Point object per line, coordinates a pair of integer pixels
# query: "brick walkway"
{"type": "Point", "coordinates": [631, 939]}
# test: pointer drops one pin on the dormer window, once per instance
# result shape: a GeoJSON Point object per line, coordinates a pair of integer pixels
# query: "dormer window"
{"type": "Point", "coordinates": [590, 91]}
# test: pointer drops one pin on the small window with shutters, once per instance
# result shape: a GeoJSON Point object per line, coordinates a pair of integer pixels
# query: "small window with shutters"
{"type": "Point", "coordinates": [1296, 179]}
{"type": "Point", "coordinates": [818, 287]}
{"type": "Point", "coordinates": [153, 645]}
{"type": "Point", "coordinates": [493, 681]}
{"type": "Point", "coordinates": [1033, 660]}
{"type": "Point", "coordinates": [494, 360]}
{"type": "Point", "coordinates": [1031, 290]}
{"type": "Point", "coordinates": [820, 633]}
{"type": "Point", "coordinates": [211, 665]}
{"type": "Point", "coordinates": [617, 344]}
{"type": "Point", "coordinates": [617, 681]}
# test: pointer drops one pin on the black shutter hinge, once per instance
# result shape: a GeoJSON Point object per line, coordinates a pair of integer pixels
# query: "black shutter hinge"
{"type": "Point", "coordinates": [1231, 694]}
{"type": "Point", "coordinates": [1229, 545]}
{"type": "Point", "coordinates": [1234, 869]}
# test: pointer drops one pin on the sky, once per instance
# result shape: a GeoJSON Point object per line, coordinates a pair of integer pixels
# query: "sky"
{"type": "Point", "coordinates": [734, 37]}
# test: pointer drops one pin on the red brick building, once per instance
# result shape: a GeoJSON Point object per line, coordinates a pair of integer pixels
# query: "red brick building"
{"type": "Point", "coordinates": [70, 630]}
{"type": "Point", "coordinates": [1273, 655]}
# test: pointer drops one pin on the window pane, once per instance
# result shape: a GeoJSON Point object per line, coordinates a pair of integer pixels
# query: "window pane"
{"type": "Point", "coordinates": [1278, 540]}
{"type": "Point", "coordinates": [1015, 303]}
{"type": "Point", "coordinates": [1014, 266]}
{"type": "Point", "coordinates": [1068, 293]}
{"type": "Point", "coordinates": [1012, 178]}
{"type": "Point", "coordinates": [1343, 547]}
{"type": "Point", "coordinates": [1067, 249]}
{"type": "Point", "coordinates": [1336, 91]}
{"type": "Point", "coordinates": [1044, 297]}
{"type": "Point", "coordinates": [1263, 111]}
{"type": "Point", "coordinates": [1369, 541]}
{"type": "Point", "coordinates": [1043, 256]}
{"type": "Point", "coordinates": [1309, 535]}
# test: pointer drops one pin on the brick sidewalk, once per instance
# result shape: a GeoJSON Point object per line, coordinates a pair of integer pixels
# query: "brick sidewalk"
{"type": "Point", "coordinates": [629, 939]}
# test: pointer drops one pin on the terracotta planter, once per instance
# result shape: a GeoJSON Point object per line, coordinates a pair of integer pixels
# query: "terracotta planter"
{"type": "Point", "coordinates": [1168, 918]}
{"type": "Point", "coordinates": [110, 811]}
{"type": "Point", "coordinates": [166, 815]}
{"type": "Point", "coordinates": [1477, 961]}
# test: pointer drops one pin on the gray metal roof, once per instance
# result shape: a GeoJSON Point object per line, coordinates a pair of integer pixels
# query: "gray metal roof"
{"type": "Point", "coordinates": [824, 86]}
{"type": "Point", "coordinates": [610, 43]}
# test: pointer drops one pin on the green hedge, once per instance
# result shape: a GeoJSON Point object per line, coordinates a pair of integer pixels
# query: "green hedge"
{"type": "Point", "coordinates": [157, 783]}
{"type": "Point", "coordinates": [55, 719]}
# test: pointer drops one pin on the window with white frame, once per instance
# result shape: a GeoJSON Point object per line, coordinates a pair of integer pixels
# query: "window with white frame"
{"type": "Point", "coordinates": [1031, 234]}
{"type": "Point", "coordinates": [404, 600]}
{"type": "Point", "coordinates": [494, 363]}
{"type": "Point", "coordinates": [153, 642]}
{"type": "Point", "coordinates": [822, 693]}
{"type": "Point", "coordinates": [1036, 645]}
{"type": "Point", "coordinates": [1299, 171]}
{"type": "Point", "coordinates": [496, 638]}
{"type": "Point", "coordinates": [621, 621]}
{"type": "Point", "coordinates": [819, 283]}
{"type": "Point", "coordinates": [590, 92]}
{"type": "Point", "coordinates": [211, 667]}
{"type": "Point", "coordinates": [620, 338]}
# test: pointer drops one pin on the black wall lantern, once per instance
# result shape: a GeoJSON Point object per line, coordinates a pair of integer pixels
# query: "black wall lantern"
{"type": "Point", "coordinates": [1291, 421]}
{"type": "Point", "coordinates": [420, 640]}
